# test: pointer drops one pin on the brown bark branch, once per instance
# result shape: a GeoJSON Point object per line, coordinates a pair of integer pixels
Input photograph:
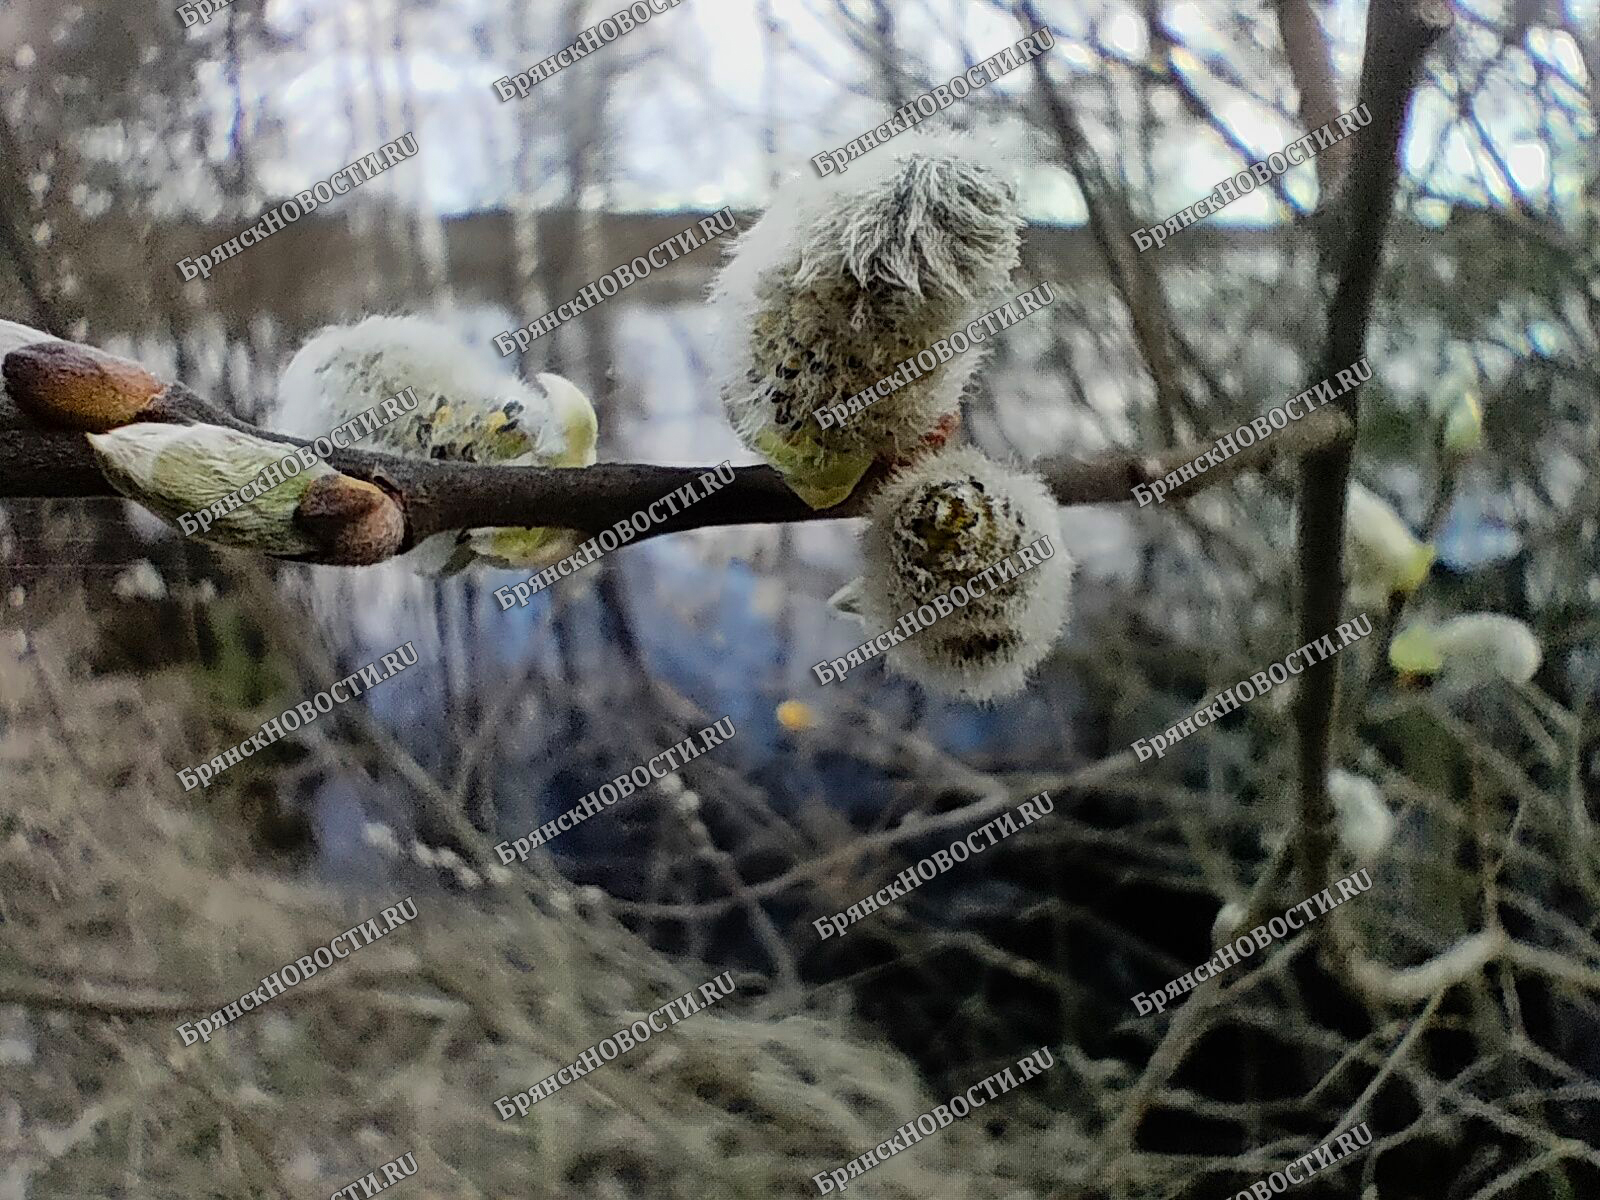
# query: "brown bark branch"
{"type": "Point", "coordinates": [1399, 33]}
{"type": "Point", "coordinates": [1311, 67]}
{"type": "Point", "coordinates": [43, 461]}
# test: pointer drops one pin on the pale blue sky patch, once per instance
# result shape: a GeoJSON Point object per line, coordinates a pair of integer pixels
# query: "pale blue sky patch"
{"type": "Point", "coordinates": [695, 87]}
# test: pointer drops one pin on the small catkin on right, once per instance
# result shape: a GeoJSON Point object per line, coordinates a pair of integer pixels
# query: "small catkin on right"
{"type": "Point", "coordinates": [941, 521]}
{"type": "Point", "coordinates": [1469, 650]}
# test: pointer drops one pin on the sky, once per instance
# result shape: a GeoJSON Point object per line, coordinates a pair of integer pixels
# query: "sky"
{"type": "Point", "coordinates": [698, 84]}
{"type": "Point", "coordinates": [697, 87]}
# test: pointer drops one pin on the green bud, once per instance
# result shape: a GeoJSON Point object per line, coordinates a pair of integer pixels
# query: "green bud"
{"type": "Point", "coordinates": [1415, 651]}
{"type": "Point", "coordinates": [819, 476]}
{"type": "Point", "coordinates": [1463, 427]}
{"type": "Point", "coordinates": [182, 470]}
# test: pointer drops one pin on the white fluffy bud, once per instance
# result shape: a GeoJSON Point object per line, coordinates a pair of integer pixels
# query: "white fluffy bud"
{"type": "Point", "coordinates": [841, 280]}
{"type": "Point", "coordinates": [463, 408]}
{"type": "Point", "coordinates": [1364, 821]}
{"type": "Point", "coordinates": [1385, 557]}
{"type": "Point", "coordinates": [946, 518]}
{"type": "Point", "coordinates": [174, 470]}
{"type": "Point", "coordinates": [1468, 650]}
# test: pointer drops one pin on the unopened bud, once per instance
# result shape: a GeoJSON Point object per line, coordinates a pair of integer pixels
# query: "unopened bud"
{"type": "Point", "coordinates": [356, 522]}
{"type": "Point", "coordinates": [1463, 427]}
{"type": "Point", "coordinates": [1365, 823]}
{"type": "Point", "coordinates": [73, 386]}
{"type": "Point", "coordinates": [176, 470]}
{"type": "Point", "coordinates": [1386, 558]}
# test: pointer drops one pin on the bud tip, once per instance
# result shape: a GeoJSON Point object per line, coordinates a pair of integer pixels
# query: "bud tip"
{"type": "Point", "coordinates": [356, 522]}
{"type": "Point", "coordinates": [74, 386]}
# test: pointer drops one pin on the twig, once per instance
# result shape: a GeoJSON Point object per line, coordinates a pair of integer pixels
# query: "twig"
{"type": "Point", "coordinates": [1311, 66]}
{"type": "Point", "coordinates": [40, 459]}
{"type": "Point", "coordinates": [116, 1000]}
{"type": "Point", "coordinates": [1456, 965]}
{"type": "Point", "coordinates": [1109, 222]}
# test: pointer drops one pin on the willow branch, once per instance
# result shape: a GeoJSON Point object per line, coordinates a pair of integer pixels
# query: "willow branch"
{"type": "Point", "coordinates": [52, 384]}
{"type": "Point", "coordinates": [1311, 67]}
{"type": "Point", "coordinates": [1399, 33]}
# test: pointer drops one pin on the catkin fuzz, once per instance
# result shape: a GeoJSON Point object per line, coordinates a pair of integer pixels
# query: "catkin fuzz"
{"type": "Point", "coordinates": [844, 278]}
{"type": "Point", "coordinates": [464, 410]}
{"type": "Point", "coordinates": [940, 522]}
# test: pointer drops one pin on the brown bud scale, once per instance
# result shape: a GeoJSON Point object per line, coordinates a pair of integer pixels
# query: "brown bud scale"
{"type": "Point", "coordinates": [356, 522]}
{"type": "Point", "coordinates": [72, 386]}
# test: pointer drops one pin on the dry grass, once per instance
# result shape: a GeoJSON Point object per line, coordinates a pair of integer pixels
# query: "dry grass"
{"type": "Point", "coordinates": [126, 911]}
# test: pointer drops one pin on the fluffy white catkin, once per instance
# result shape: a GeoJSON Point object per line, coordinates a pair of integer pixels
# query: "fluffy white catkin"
{"type": "Point", "coordinates": [1385, 557]}
{"type": "Point", "coordinates": [841, 280]}
{"type": "Point", "coordinates": [467, 411]}
{"type": "Point", "coordinates": [1364, 822]}
{"type": "Point", "coordinates": [1468, 650]}
{"type": "Point", "coordinates": [940, 521]}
